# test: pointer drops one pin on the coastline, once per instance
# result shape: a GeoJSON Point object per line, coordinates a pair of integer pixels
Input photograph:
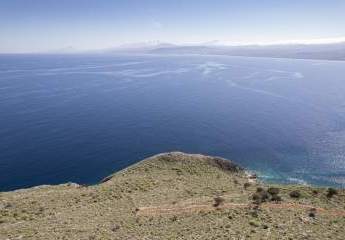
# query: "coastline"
{"type": "Point", "coordinates": [173, 196]}
{"type": "Point", "coordinates": [252, 175]}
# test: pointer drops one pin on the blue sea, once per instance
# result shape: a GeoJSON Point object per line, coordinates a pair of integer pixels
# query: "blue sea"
{"type": "Point", "coordinates": [79, 118]}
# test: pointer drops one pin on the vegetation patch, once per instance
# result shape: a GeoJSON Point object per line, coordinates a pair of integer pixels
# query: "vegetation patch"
{"type": "Point", "coordinates": [295, 194]}
{"type": "Point", "coordinates": [176, 191]}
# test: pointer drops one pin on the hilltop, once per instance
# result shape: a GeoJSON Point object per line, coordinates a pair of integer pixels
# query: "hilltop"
{"type": "Point", "coordinates": [174, 196]}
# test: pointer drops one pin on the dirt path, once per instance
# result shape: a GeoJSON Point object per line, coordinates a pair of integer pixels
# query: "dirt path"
{"type": "Point", "coordinates": [194, 208]}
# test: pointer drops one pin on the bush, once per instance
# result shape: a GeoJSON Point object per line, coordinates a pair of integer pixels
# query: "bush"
{"type": "Point", "coordinates": [256, 197]}
{"type": "Point", "coordinates": [254, 213]}
{"type": "Point", "coordinates": [273, 191]}
{"type": "Point", "coordinates": [246, 185]}
{"type": "Point", "coordinates": [276, 198]}
{"type": "Point", "coordinates": [264, 226]}
{"type": "Point", "coordinates": [254, 223]}
{"type": "Point", "coordinates": [315, 192]}
{"type": "Point", "coordinates": [260, 196]}
{"type": "Point", "coordinates": [264, 196]}
{"type": "Point", "coordinates": [218, 201]}
{"type": "Point", "coordinates": [331, 192]}
{"type": "Point", "coordinates": [312, 213]}
{"type": "Point", "coordinates": [295, 194]}
{"type": "Point", "coordinates": [259, 189]}
{"type": "Point", "coordinates": [115, 228]}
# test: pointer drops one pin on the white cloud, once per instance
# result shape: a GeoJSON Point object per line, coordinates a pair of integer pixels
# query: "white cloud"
{"type": "Point", "coordinates": [294, 41]}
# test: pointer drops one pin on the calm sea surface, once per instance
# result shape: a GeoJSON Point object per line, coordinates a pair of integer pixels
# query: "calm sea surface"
{"type": "Point", "coordinates": [79, 118]}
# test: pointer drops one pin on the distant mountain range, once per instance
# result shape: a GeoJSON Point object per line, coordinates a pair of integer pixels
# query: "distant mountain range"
{"type": "Point", "coordinates": [325, 51]}
{"type": "Point", "coordinates": [328, 51]}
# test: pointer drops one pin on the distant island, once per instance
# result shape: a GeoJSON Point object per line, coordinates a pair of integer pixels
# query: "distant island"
{"type": "Point", "coordinates": [325, 51]}
{"type": "Point", "coordinates": [320, 51]}
{"type": "Point", "coordinates": [174, 196]}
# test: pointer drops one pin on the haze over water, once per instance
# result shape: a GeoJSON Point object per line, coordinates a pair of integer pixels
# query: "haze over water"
{"type": "Point", "coordinates": [79, 118]}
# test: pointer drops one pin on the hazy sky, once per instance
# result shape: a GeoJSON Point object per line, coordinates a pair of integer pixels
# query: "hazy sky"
{"type": "Point", "coordinates": [40, 25]}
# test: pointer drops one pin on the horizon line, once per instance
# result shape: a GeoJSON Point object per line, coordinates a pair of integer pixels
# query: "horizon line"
{"type": "Point", "coordinates": [215, 43]}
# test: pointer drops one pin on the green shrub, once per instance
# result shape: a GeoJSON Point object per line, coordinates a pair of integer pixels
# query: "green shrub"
{"type": "Point", "coordinates": [312, 213]}
{"type": "Point", "coordinates": [276, 198]}
{"type": "Point", "coordinates": [254, 213]}
{"type": "Point", "coordinates": [260, 196]}
{"type": "Point", "coordinates": [246, 185]}
{"type": "Point", "coordinates": [115, 228]}
{"type": "Point", "coordinates": [264, 195]}
{"type": "Point", "coordinates": [254, 223]}
{"type": "Point", "coordinates": [295, 194]}
{"type": "Point", "coordinates": [264, 226]}
{"type": "Point", "coordinates": [259, 189]}
{"type": "Point", "coordinates": [218, 201]}
{"type": "Point", "coordinates": [315, 192]}
{"type": "Point", "coordinates": [256, 196]}
{"type": "Point", "coordinates": [331, 192]}
{"type": "Point", "coordinates": [273, 191]}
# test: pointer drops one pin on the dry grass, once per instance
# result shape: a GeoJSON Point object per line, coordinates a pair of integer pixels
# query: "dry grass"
{"type": "Point", "coordinates": [132, 204]}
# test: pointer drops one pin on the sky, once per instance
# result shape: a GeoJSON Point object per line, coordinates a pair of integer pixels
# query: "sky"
{"type": "Point", "coordinates": [45, 25]}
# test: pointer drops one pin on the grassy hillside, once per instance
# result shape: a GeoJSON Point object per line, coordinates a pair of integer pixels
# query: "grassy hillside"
{"type": "Point", "coordinates": [174, 196]}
